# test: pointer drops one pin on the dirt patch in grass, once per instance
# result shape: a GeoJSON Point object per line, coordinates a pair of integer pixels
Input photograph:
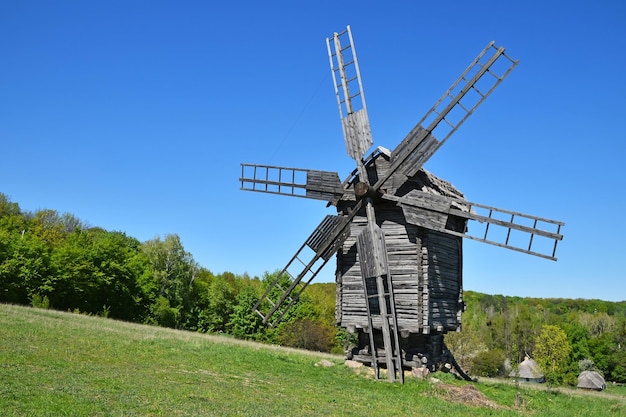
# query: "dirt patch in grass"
{"type": "Point", "coordinates": [466, 394]}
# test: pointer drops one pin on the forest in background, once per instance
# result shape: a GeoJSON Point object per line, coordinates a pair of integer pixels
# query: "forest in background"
{"type": "Point", "coordinates": [53, 260]}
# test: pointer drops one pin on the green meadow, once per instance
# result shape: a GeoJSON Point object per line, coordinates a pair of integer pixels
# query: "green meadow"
{"type": "Point", "coordinates": [64, 364]}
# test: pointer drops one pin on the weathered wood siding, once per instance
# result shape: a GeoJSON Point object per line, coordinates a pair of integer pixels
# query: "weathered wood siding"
{"type": "Point", "coordinates": [426, 273]}
{"type": "Point", "coordinates": [441, 262]}
{"type": "Point", "coordinates": [425, 266]}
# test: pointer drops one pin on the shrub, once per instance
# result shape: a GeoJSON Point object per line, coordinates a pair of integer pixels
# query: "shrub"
{"type": "Point", "coordinates": [307, 334]}
{"type": "Point", "coordinates": [40, 302]}
{"type": "Point", "coordinates": [488, 363]}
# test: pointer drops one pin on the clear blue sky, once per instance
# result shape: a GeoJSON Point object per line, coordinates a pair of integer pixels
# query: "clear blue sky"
{"type": "Point", "coordinates": [135, 116]}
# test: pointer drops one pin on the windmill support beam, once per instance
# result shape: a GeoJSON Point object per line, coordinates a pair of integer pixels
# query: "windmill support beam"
{"type": "Point", "coordinates": [373, 261]}
{"type": "Point", "coordinates": [378, 255]}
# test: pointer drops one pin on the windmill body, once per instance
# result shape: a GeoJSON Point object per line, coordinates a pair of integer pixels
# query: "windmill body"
{"type": "Point", "coordinates": [398, 231]}
{"type": "Point", "coordinates": [425, 266]}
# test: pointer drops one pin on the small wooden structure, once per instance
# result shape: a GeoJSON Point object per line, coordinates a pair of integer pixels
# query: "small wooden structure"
{"type": "Point", "coordinates": [528, 371]}
{"type": "Point", "coordinates": [398, 229]}
{"type": "Point", "coordinates": [591, 380]}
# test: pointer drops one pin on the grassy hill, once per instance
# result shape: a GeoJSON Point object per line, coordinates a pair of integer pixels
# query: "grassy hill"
{"type": "Point", "coordinates": [62, 364]}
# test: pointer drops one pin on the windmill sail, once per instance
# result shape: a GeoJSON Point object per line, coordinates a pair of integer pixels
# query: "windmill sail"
{"type": "Point", "coordinates": [349, 92]}
{"type": "Point", "coordinates": [303, 268]}
{"type": "Point", "coordinates": [379, 300]}
{"type": "Point", "coordinates": [372, 252]}
{"type": "Point", "coordinates": [521, 232]}
{"type": "Point", "coordinates": [450, 111]}
{"type": "Point", "coordinates": [295, 182]}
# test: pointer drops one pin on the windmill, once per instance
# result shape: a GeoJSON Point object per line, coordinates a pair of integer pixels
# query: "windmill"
{"type": "Point", "coordinates": [398, 231]}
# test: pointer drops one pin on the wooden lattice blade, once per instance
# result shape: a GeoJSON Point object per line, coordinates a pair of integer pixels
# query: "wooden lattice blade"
{"type": "Point", "coordinates": [303, 267]}
{"type": "Point", "coordinates": [372, 252]}
{"type": "Point", "coordinates": [295, 182]}
{"type": "Point", "coordinates": [349, 93]}
{"type": "Point", "coordinates": [450, 111]}
{"type": "Point", "coordinates": [521, 232]}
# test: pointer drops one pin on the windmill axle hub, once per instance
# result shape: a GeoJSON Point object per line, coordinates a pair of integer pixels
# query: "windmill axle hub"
{"type": "Point", "coordinates": [363, 189]}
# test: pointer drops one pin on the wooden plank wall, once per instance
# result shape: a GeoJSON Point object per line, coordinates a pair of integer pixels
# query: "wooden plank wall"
{"type": "Point", "coordinates": [426, 266]}
{"type": "Point", "coordinates": [444, 280]}
{"type": "Point", "coordinates": [425, 270]}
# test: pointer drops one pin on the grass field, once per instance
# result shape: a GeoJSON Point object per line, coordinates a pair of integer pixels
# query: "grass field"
{"type": "Point", "coordinates": [61, 364]}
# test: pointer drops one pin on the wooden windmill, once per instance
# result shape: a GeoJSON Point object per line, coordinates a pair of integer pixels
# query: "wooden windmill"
{"type": "Point", "coordinates": [398, 229]}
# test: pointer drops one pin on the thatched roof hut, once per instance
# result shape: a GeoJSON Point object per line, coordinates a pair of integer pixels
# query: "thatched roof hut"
{"type": "Point", "coordinates": [591, 380]}
{"type": "Point", "coordinates": [528, 371]}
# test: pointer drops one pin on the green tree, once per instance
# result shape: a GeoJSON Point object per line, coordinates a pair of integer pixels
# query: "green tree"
{"type": "Point", "coordinates": [552, 350]}
{"type": "Point", "coordinates": [303, 310]}
{"type": "Point", "coordinates": [618, 356]}
{"type": "Point", "coordinates": [96, 271]}
{"type": "Point", "coordinates": [617, 365]}
{"type": "Point", "coordinates": [163, 314]}
{"type": "Point", "coordinates": [171, 274]}
{"type": "Point", "coordinates": [24, 266]}
{"type": "Point", "coordinates": [48, 226]}
{"type": "Point", "coordinates": [120, 264]}
{"type": "Point", "coordinates": [525, 330]}
{"type": "Point", "coordinates": [221, 304]}
{"type": "Point", "coordinates": [303, 327]}
{"type": "Point", "coordinates": [601, 348]}
{"type": "Point", "coordinates": [579, 336]}
{"type": "Point", "coordinates": [465, 345]}
{"type": "Point", "coordinates": [323, 298]}
{"type": "Point", "coordinates": [244, 323]}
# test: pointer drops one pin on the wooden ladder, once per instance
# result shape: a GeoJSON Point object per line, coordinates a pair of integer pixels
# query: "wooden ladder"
{"type": "Point", "coordinates": [381, 314]}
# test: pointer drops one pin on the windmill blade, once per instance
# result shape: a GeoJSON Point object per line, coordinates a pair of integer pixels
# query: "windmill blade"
{"type": "Point", "coordinates": [304, 267]}
{"type": "Point", "coordinates": [295, 182]}
{"type": "Point", "coordinates": [372, 252]}
{"type": "Point", "coordinates": [525, 233]}
{"type": "Point", "coordinates": [450, 111]}
{"type": "Point", "coordinates": [349, 92]}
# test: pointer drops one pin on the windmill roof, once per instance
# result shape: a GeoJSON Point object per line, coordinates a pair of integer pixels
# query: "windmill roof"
{"type": "Point", "coordinates": [428, 182]}
{"type": "Point", "coordinates": [422, 180]}
{"type": "Point", "coordinates": [431, 183]}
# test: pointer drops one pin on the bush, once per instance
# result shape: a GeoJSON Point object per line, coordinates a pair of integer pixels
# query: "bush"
{"type": "Point", "coordinates": [488, 363]}
{"type": "Point", "coordinates": [40, 302]}
{"type": "Point", "coordinates": [307, 334]}
{"type": "Point", "coordinates": [163, 314]}
{"type": "Point", "coordinates": [344, 341]}
{"type": "Point", "coordinates": [586, 365]}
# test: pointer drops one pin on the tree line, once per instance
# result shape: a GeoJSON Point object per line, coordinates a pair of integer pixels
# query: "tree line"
{"type": "Point", "coordinates": [53, 260]}
{"type": "Point", "coordinates": [564, 336]}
